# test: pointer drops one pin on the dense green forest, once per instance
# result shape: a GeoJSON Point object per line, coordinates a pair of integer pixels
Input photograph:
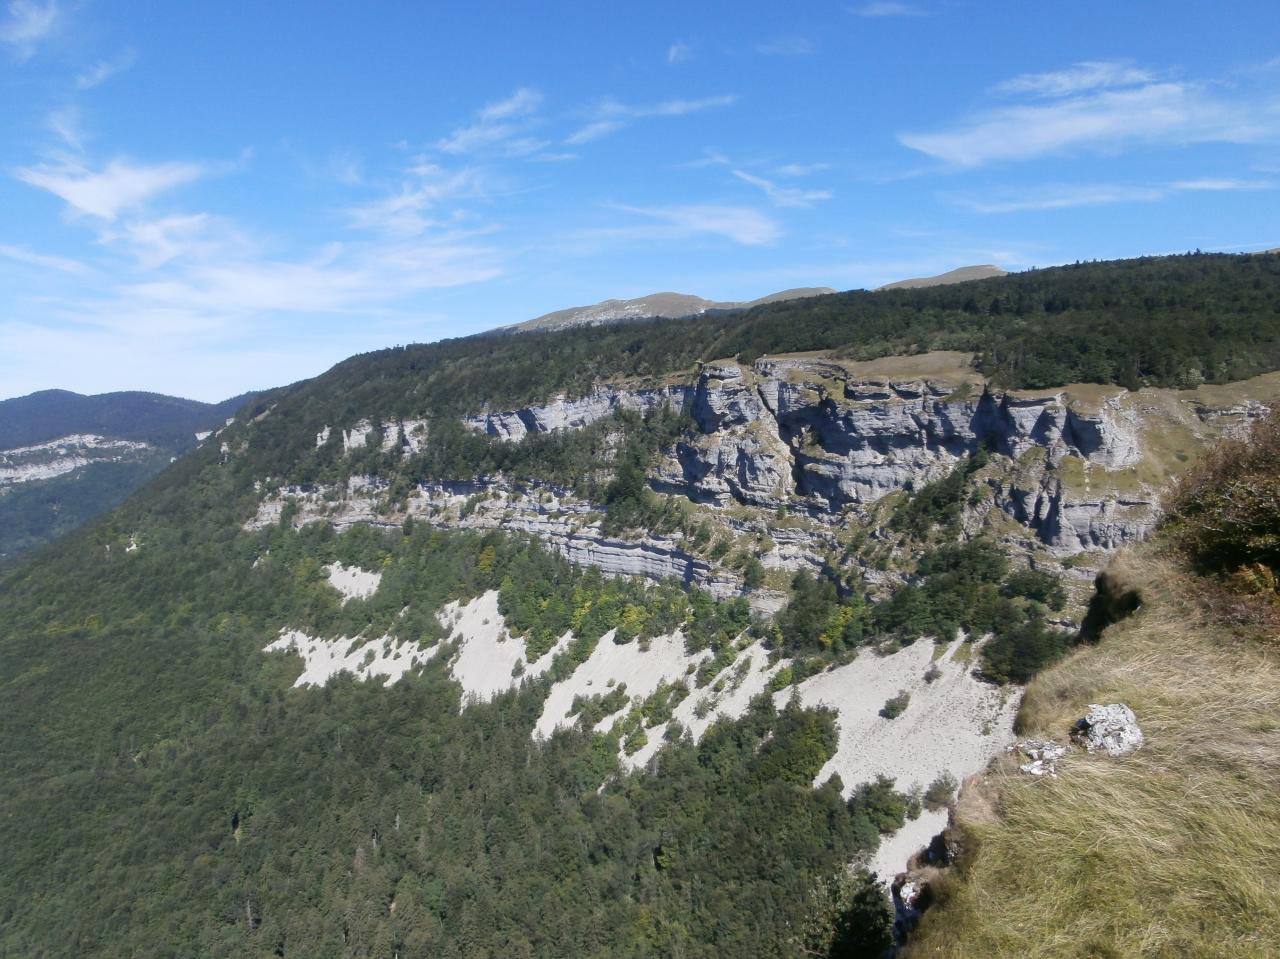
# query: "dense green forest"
{"type": "Point", "coordinates": [166, 791]}
{"type": "Point", "coordinates": [32, 514]}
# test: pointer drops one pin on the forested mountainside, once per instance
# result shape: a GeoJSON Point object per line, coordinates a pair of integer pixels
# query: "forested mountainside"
{"type": "Point", "coordinates": [614, 641]}
{"type": "Point", "coordinates": [65, 458]}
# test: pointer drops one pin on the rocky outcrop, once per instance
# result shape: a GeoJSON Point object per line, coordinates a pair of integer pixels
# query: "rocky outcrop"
{"type": "Point", "coordinates": [43, 461]}
{"type": "Point", "coordinates": [563, 413]}
{"type": "Point", "coordinates": [803, 429]}
{"type": "Point", "coordinates": [790, 450]}
{"type": "Point", "coordinates": [409, 436]}
{"type": "Point", "coordinates": [1041, 756]}
{"type": "Point", "coordinates": [1067, 522]}
{"type": "Point", "coordinates": [550, 514]}
{"type": "Point", "coordinates": [1112, 729]}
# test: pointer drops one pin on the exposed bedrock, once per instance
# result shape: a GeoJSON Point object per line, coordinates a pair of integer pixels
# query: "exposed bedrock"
{"type": "Point", "coordinates": [571, 414]}
{"type": "Point", "coordinates": [1069, 523]}
{"type": "Point", "coordinates": [550, 515]}
{"type": "Point", "coordinates": [794, 428]}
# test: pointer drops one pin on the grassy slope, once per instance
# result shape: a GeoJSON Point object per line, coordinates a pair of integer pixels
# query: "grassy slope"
{"type": "Point", "coordinates": [1173, 851]}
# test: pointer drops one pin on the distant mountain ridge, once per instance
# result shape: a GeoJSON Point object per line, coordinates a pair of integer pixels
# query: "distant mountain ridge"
{"type": "Point", "coordinates": [963, 274]}
{"type": "Point", "coordinates": [132, 415]}
{"type": "Point", "coordinates": [66, 457]}
{"type": "Point", "coordinates": [665, 305]}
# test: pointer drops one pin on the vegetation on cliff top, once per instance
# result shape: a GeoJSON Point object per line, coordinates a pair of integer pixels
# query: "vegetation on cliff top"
{"type": "Point", "coordinates": [1165, 321]}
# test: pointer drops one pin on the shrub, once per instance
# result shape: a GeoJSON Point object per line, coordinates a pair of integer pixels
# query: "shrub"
{"type": "Point", "coordinates": [933, 673]}
{"type": "Point", "coordinates": [782, 679]}
{"type": "Point", "coordinates": [896, 705]}
{"type": "Point", "coordinates": [1036, 585]}
{"type": "Point", "coordinates": [1225, 513]}
{"type": "Point", "coordinates": [850, 917]}
{"type": "Point", "coordinates": [940, 792]}
{"type": "Point", "coordinates": [635, 742]}
{"type": "Point", "coordinates": [879, 802]}
{"type": "Point", "coordinates": [1019, 652]}
{"type": "Point", "coordinates": [915, 802]}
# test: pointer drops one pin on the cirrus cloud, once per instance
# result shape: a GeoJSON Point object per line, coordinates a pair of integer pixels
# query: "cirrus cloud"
{"type": "Point", "coordinates": [117, 187]}
{"type": "Point", "coordinates": [742, 225]}
{"type": "Point", "coordinates": [1162, 113]}
{"type": "Point", "coordinates": [27, 25]}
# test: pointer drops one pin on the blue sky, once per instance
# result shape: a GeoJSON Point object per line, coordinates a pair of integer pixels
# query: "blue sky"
{"type": "Point", "coordinates": [204, 198]}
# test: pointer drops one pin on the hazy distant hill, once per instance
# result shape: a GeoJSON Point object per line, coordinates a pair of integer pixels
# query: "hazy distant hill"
{"type": "Point", "coordinates": [961, 275]}
{"type": "Point", "coordinates": [133, 415]}
{"type": "Point", "coordinates": [665, 305]}
{"type": "Point", "coordinates": [66, 457]}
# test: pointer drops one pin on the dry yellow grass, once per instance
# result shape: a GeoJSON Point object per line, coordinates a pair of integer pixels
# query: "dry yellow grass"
{"type": "Point", "coordinates": [1173, 851]}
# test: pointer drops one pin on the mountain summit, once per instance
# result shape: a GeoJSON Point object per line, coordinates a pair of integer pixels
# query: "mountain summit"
{"type": "Point", "coordinates": [961, 274]}
{"type": "Point", "coordinates": [664, 305]}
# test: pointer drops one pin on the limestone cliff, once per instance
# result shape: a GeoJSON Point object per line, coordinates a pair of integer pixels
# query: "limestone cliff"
{"type": "Point", "coordinates": [786, 455]}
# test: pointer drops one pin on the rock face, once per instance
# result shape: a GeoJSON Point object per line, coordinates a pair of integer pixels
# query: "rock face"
{"type": "Point", "coordinates": [42, 461]}
{"type": "Point", "coordinates": [570, 414]}
{"type": "Point", "coordinates": [545, 512]}
{"type": "Point", "coordinates": [410, 436]}
{"type": "Point", "coordinates": [790, 451]}
{"type": "Point", "coordinates": [784, 429]}
{"type": "Point", "coordinates": [1112, 729]}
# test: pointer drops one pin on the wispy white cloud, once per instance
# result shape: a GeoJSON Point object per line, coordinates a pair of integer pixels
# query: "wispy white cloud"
{"type": "Point", "coordinates": [1220, 184]}
{"type": "Point", "coordinates": [666, 108]}
{"type": "Point", "coordinates": [1087, 75]}
{"type": "Point", "coordinates": [334, 280]}
{"type": "Point", "coordinates": [104, 70]}
{"type": "Point", "coordinates": [408, 210]}
{"type": "Point", "coordinates": [1165, 113]}
{"type": "Point", "coordinates": [1064, 197]}
{"type": "Point", "coordinates": [782, 195]}
{"type": "Point", "coordinates": [117, 187]}
{"type": "Point", "coordinates": [611, 115]}
{"type": "Point", "coordinates": [593, 131]}
{"type": "Point", "coordinates": [202, 294]}
{"type": "Point", "coordinates": [710, 157]}
{"type": "Point", "coordinates": [503, 122]}
{"type": "Point", "coordinates": [44, 261]}
{"type": "Point", "coordinates": [801, 169]}
{"type": "Point", "coordinates": [181, 237]}
{"type": "Point", "coordinates": [345, 167]}
{"type": "Point", "coordinates": [27, 24]}
{"type": "Point", "coordinates": [66, 125]}
{"type": "Point", "coordinates": [887, 8]}
{"type": "Point", "coordinates": [165, 291]}
{"type": "Point", "coordinates": [1099, 194]}
{"type": "Point", "coordinates": [742, 225]}
{"type": "Point", "coordinates": [679, 53]}
{"type": "Point", "coordinates": [785, 47]}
